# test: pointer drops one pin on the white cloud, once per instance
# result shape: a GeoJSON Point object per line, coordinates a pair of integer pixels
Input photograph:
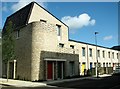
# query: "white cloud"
{"type": "Point", "coordinates": [80, 21]}
{"type": "Point", "coordinates": [22, 3]}
{"type": "Point", "coordinates": [107, 38]}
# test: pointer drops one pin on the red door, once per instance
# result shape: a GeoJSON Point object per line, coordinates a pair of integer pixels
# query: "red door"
{"type": "Point", "coordinates": [49, 70]}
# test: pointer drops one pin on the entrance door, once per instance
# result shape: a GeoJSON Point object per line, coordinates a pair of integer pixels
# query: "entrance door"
{"type": "Point", "coordinates": [83, 68]}
{"type": "Point", "coordinates": [60, 70]}
{"type": "Point", "coordinates": [49, 70]}
{"type": "Point", "coordinates": [90, 65]}
{"type": "Point", "coordinates": [11, 70]}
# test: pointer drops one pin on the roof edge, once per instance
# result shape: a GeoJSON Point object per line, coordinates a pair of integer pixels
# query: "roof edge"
{"type": "Point", "coordinates": [91, 44]}
{"type": "Point", "coordinates": [49, 13]}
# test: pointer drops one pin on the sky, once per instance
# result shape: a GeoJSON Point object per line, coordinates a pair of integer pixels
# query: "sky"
{"type": "Point", "coordinates": [83, 19]}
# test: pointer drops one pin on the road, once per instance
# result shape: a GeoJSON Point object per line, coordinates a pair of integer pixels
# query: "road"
{"type": "Point", "coordinates": [112, 82]}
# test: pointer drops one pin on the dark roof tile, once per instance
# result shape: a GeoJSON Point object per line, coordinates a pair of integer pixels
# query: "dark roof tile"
{"type": "Point", "coordinates": [19, 18]}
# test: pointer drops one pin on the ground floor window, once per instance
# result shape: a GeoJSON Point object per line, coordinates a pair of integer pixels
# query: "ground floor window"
{"type": "Point", "coordinates": [72, 68]}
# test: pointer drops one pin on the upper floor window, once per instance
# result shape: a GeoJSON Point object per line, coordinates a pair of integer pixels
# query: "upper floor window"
{"type": "Point", "coordinates": [72, 46]}
{"type": "Point", "coordinates": [90, 50]}
{"type": "Point", "coordinates": [83, 51]}
{"type": "Point", "coordinates": [103, 54]}
{"type": "Point", "coordinates": [18, 34]}
{"type": "Point", "coordinates": [103, 64]}
{"type": "Point", "coordinates": [43, 21]}
{"type": "Point", "coordinates": [98, 53]}
{"type": "Point", "coordinates": [109, 54]}
{"type": "Point", "coordinates": [113, 55]}
{"type": "Point", "coordinates": [58, 28]}
{"type": "Point", "coordinates": [106, 64]}
{"type": "Point", "coordinates": [117, 55]}
{"type": "Point", "coordinates": [61, 45]}
{"type": "Point", "coordinates": [109, 64]}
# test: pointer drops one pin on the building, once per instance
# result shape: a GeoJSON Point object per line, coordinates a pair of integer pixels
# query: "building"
{"type": "Point", "coordinates": [0, 56]}
{"type": "Point", "coordinates": [116, 48]}
{"type": "Point", "coordinates": [44, 51]}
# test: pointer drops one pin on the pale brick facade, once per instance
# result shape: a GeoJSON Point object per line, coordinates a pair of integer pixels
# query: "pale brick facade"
{"type": "Point", "coordinates": [44, 53]}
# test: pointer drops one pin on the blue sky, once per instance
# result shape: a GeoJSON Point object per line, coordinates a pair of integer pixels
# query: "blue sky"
{"type": "Point", "coordinates": [83, 19]}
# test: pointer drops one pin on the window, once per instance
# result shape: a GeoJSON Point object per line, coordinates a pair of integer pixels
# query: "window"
{"type": "Point", "coordinates": [18, 34]}
{"type": "Point", "coordinates": [58, 27]}
{"type": "Point", "coordinates": [109, 64]}
{"type": "Point", "coordinates": [72, 46]}
{"type": "Point", "coordinates": [95, 65]}
{"type": "Point", "coordinates": [98, 53]}
{"type": "Point", "coordinates": [90, 50]}
{"type": "Point", "coordinates": [103, 54]}
{"type": "Point", "coordinates": [109, 54]}
{"type": "Point", "coordinates": [83, 51]}
{"type": "Point", "coordinates": [103, 64]}
{"type": "Point", "coordinates": [61, 45]}
{"type": "Point", "coordinates": [106, 64]}
{"type": "Point", "coordinates": [91, 65]}
{"type": "Point", "coordinates": [72, 67]}
{"type": "Point", "coordinates": [113, 55]}
{"type": "Point", "coordinates": [117, 55]}
{"type": "Point", "coordinates": [42, 21]}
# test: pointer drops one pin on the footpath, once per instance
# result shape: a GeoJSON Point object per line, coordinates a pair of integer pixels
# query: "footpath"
{"type": "Point", "coordinates": [20, 83]}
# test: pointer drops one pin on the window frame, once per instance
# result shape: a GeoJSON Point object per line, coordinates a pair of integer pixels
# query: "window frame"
{"type": "Point", "coordinates": [98, 53]}
{"type": "Point", "coordinates": [58, 28]}
{"type": "Point", "coordinates": [103, 53]}
{"type": "Point", "coordinates": [90, 52]}
{"type": "Point", "coordinates": [108, 54]}
{"type": "Point", "coordinates": [117, 56]}
{"type": "Point", "coordinates": [72, 46]}
{"type": "Point", "coordinates": [83, 51]}
{"type": "Point", "coordinates": [113, 55]}
{"type": "Point", "coordinates": [61, 45]}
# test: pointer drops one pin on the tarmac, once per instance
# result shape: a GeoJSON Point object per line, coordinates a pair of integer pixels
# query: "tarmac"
{"type": "Point", "coordinates": [20, 83]}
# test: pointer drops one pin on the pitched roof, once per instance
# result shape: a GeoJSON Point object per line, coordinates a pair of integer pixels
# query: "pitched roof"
{"type": "Point", "coordinates": [19, 18]}
{"type": "Point", "coordinates": [116, 48]}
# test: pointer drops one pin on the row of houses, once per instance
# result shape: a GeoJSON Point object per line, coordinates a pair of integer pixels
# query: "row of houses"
{"type": "Point", "coordinates": [44, 51]}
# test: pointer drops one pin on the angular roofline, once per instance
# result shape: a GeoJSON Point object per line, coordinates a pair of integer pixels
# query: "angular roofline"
{"type": "Point", "coordinates": [91, 44]}
{"type": "Point", "coordinates": [18, 12]}
{"type": "Point", "coordinates": [31, 10]}
{"type": "Point", "coordinates": [49, 12]}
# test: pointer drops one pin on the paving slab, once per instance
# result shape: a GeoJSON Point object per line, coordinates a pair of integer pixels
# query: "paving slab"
{"type": "Point", "coordinates": [20, 83]}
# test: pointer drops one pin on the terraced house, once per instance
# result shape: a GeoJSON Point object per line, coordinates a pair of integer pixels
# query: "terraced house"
{"type": "Point", "coordinates": [44, 51]}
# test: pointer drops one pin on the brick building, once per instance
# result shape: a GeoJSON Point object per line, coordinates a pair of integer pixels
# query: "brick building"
{"type": "Point", "coordinates": [44, 51]}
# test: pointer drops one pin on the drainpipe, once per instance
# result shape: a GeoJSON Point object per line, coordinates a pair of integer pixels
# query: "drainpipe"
{"type": "Point", "coordinates": [87, 59]}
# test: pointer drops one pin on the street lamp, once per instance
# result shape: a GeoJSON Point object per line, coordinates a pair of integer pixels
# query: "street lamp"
{"type": "Point", "coordinates": [96, 54]}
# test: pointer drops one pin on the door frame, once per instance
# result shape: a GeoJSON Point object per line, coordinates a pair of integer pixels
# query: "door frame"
{"type": "Point", "coordinates": [54, 65]}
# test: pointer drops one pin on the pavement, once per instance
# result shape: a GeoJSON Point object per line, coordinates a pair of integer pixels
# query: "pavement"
{"type": "Point", "coordinates": [20, 83]}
